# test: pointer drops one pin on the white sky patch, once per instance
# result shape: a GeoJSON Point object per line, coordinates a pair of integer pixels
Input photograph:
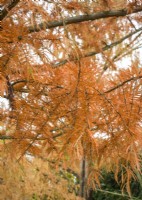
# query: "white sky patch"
{"type": "Point", "coordinates": [29, 157]}
{"type": "Point", "coordinates": [101, 135]}
{"type": "Point", "coordinates": [4, 103]}
{"type": "Point", "coordinates": [124, 63]}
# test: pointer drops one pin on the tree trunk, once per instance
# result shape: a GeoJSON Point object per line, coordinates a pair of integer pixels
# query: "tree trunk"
{"type": "Point", "coordinates": [89, 195]}
{"type": "Point", "coordinates": [83, 179]}
{"type": "Point", "coordinates": [83, 189]}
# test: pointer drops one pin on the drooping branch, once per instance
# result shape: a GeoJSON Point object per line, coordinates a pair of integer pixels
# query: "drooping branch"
{"type": "Point", "coordinates": [82, 18]}
{"type": "Point", "coordinates": [4, 12]}
{"type": "Point", "coordinates": [106, 47]}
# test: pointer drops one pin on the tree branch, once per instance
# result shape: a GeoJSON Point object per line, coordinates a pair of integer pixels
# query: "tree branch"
{"type": "Point", "coordinates": [19, 81]}
{"type": "Point", "coordinates": [10, 95]}
{"type": "Point", "coordinates": [4, 12]}
{"type": "Point", "coordinates": [123, 83]}
{"type": "Point", "coordinates": [107, 47]}
{"type": "Point", "coordinates": [117, 194]}
{"type": "Point", "coordinates": [82, 18]}
{"type": "Point", "coordinates": [8, 137]}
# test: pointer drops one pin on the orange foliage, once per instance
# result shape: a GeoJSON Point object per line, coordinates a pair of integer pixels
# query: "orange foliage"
{"type": "Point", "coordinates": [70, 88]}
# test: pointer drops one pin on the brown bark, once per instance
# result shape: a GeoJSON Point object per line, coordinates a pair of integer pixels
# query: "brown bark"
{"type": "Point", "coordinates": [4, 12]}
{"type": "Point", "coordinates": [83, 18]}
